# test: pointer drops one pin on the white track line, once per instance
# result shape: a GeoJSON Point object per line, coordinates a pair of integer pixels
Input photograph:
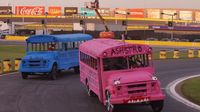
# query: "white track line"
{"type": "Point", "coordinates": [8, 74]}
{"type": "Point", "coordinates": [172, 92]}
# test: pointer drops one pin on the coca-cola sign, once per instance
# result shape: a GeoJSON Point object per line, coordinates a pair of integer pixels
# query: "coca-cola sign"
{"type": "Point", "coordinates": [30, 10]}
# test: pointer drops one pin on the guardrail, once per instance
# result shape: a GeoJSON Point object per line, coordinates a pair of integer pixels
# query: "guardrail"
{"type": "Point", "coordinates": [8, 65]}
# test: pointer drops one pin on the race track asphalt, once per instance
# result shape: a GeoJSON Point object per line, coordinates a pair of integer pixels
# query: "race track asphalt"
{"type": "Point", "coordinates": [67, 94]}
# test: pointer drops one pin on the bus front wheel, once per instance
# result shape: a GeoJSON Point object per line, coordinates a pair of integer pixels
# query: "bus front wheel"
{"type": "Point", "coordinates": [109, 106]}
{"type": "Point", "coordinates": [53, 72]}
{"type": "Point", "coordinates": [76, 69]}
{"type": "Point", "coordinates": [157, 105]}
{"type": "Point", "coordinates": [24, 75]}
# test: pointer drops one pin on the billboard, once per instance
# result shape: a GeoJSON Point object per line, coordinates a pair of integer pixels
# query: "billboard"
{"type": "Point", "coordinates": [153, 13]}
{"type": "Point", "coordinates": [5, 10]}
{"type": "Point", "coordinates": [136, 13]}
{"type": "Point", "coordinates": [69, 11]}
{"type": "Point", "coordinates": [185, 15]}
{"type": "Point", "coordinates": [197, 16]}
{"type": "Point", "coordinates": [87, 12]}
{"type": "Point", "coordinates": [171, 12]}
{"type": "Point", "coordinates": [54, 11]}
{"type": "Point", "coordinates": [30, 10]}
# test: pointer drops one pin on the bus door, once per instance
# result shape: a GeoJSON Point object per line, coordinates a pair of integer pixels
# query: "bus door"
{"type": "Point", "coordinates": [62, 56]}
{"type": "Point", "coordinates": [72, 54]}
{"type": "Point", "coordinates": [99, 66]}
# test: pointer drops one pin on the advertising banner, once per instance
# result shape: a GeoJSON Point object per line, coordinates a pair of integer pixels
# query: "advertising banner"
{"type": "Point", "coordinates": [30, 10]}
{"type": "Point", "coordinates": [54, 11]}
{"type": "Point", "coordinates": [69, 11]}
{"type": "Point", "coordinates": [185, 15]}
{"type": "Point", "coordinates": [197, 16]}
{"type": "Point", "coordinates": [105, 12]}
{"type": "Point", "coordinates": [120, 12]}
{"type": "Point", "coordinates": [136, 13]}
{"type": "Point", "coordinates": [5, 10]}
{"type": "Point", "coordinates": [171, 12]}
{"type": "Point", "coordinates": [153, 13]}
{"type": "Point", "coordinates": [87, 12]}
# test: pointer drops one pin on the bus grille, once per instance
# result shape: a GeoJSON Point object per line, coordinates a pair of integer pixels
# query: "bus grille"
{"type": "Point", "coordinates": [137, 89]}
{"type": "Point", "coordinates": [35, 63]}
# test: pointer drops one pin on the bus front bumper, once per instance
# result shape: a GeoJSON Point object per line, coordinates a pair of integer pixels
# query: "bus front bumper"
{"type": "Point", "coordinates": [137, 99]}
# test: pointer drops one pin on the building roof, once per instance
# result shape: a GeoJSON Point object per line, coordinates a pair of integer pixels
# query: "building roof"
{"type": "Point", "coordinates": [58, 38]}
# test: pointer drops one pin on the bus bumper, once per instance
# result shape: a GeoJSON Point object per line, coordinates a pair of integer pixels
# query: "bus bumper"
{"type": "Point", "coordinates": [137, 99]}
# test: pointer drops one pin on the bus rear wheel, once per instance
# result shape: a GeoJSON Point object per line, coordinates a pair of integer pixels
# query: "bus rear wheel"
{"type": "Point", "coordinates": [24, 75]}
{"type": "Point", "coordinates": [157, 106]}
{"type": "Point", "coordinates": [53, 72]}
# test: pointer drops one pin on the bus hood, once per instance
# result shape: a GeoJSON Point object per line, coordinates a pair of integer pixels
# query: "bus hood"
{"type": "Point", "coordinates": [130, 77]}
{"type": "Point", "coordinates": [39, 56]}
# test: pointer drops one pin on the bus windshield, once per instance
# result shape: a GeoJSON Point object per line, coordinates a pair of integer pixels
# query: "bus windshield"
{"type": "Point", "coordinates": [128, 62]}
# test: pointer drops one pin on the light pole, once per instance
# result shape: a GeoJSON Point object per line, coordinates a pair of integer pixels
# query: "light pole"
{"type": "Point", "coordinates": [171, 23]}
{"type": "Point", "coordinates": [126, 28]}
{"type": "Point", "coordinates": [46, 30]}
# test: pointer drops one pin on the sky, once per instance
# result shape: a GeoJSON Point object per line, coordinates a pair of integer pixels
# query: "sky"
{"type": "Point", "coordinates": [187, 4]}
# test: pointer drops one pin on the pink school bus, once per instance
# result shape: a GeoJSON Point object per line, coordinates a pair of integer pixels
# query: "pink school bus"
{"type": "Point", "coordinates": [119, 73]}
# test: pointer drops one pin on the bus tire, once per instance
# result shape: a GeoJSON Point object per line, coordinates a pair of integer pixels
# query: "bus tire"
{"type": "Point", "coordinates": [157, 106]}
{"type": "Point", "coordinates": [53, 72]}
{"type": "Point", "coordinates": [24, 75]}
{"type": "Point", "coordinates": [76, 69]}
{"type": "Point", "coordinates": [109, 106]}
{"type": "Point", "coordinates": [89, 91]}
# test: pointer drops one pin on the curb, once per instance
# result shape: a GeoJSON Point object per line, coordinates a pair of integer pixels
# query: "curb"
{"type": "Point", "coordinates": [172, 92]}
{"type": "Point", "coordinates": [8, 74]}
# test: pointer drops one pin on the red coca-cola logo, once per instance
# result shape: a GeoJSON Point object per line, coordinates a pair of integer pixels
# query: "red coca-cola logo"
{"type": "Point", "coordinates": [30, 11]}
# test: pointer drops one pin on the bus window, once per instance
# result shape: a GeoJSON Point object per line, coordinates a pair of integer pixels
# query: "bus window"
{"type": "Point", "coordinates": [118, 63]}
{"type": "Point", "coordinates": [137, 61]}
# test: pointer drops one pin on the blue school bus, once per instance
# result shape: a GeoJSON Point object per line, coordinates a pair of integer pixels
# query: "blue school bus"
{"type": "Point", "coordinates": [50, 54]}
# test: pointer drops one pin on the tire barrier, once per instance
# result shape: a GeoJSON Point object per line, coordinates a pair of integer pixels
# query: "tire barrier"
{"type": "Point", "coordinates": [176, 54]}
{"type": "Point", "coordinates": [198, 53]}
{"type": "Point", "coordinates": [7, 65]}
{"type": "Point", "coordinates": [190, 53]}
{"type": "Point", "coordinates": [163, 54]}
{"type": "Point", "coordinates": [1, 67]}
{"type": "Point", "coordinates": [17, 63]}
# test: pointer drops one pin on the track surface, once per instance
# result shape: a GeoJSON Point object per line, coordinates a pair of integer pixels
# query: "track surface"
{"type": "Point", "coordinates": [66, 94]}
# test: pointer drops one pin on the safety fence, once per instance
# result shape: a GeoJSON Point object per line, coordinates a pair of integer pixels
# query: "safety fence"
{"type": "Point", "coordinates": [8, 65]}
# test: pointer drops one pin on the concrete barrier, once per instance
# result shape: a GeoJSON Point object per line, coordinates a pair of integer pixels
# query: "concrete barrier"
{"type": "Point", "coordinates": [16, 38]}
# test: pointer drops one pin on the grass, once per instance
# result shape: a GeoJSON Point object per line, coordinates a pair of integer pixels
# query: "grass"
{"type": "Point", "coordinates": [191, 90]}
{"type": "Point", "coordinates": [11, 52]}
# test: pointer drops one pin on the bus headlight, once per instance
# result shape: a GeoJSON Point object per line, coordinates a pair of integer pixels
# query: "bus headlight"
{"type": "Point", "coordinates": [154, 78]}
{"type": "Point", "coordinates": [117, 82]}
